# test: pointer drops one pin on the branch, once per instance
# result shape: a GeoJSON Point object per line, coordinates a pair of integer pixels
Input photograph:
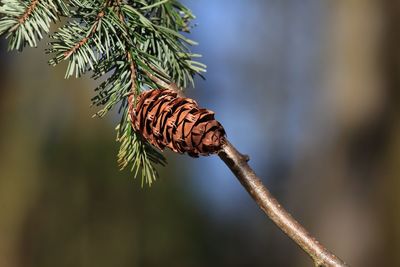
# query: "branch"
{"type": "Point", "coordinates": [84, 40]}
{"type": "Point", "coordinates": [133, 72]}
{"type": "Point", "coordinates": [29, 10]}
{"type": "Point", "coordinates": [131, 62]}
{"type": "Point", "coordinates": [271, 207]}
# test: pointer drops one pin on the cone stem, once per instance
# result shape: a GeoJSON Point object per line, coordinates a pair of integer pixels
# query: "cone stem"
{"type": "Point", "coordinates": [271, 207]}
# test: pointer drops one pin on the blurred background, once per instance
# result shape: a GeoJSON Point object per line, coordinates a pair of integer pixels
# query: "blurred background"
{"type": "Point", "coordinates": [309, 89]}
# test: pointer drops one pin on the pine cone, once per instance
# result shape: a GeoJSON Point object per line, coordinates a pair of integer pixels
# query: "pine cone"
{"type": "Point", "coordinates": [166, 120]}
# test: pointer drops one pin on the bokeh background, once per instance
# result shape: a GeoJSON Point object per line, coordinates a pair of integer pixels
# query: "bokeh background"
{"type": "Point", "coordinates": [309, 89]}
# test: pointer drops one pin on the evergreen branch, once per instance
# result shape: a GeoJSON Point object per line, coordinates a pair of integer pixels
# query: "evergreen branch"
{"type": "Point", "coordinates": [24, 17]}
{"type": "Point", "coordinates": [92, 36]}
{"type": "Point", "coordinates": [144, 68]}
{"type": "Point", "coordinates": [24, 22]}
{"type": "Point", "coordinates": [134, 88]}
{"type": "Point", "coordinates": [83, 41]}
{"type": "Point", "coordinates": [167, 46]}
{"type": "Point", "coordinates": [139, 46]}
{"type": "Point", "coordinates": [133, 148]}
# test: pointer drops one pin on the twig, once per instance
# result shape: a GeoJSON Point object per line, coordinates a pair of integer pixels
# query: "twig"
{"type": "Point", "coordinates": [84, 40]}
{"type": "Point", "coordinates": [271, 207]}
{"type": "Point", "coordinates": [134, 92]}
{"type": "Point", "coordinates": [133, 71]}
{"type": "Point", "coordinates": [29, 10]}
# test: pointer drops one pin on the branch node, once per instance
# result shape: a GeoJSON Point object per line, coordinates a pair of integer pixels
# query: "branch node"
{"type": "Point", "coordinates": [246, 157]}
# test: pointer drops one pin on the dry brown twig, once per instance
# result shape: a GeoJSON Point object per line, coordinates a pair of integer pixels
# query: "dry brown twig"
{"type": "Point", "coordinates": [238, 164]}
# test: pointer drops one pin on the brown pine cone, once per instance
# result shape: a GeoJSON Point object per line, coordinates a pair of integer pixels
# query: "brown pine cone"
{"type": "Point", "coordinates": [167, 120]}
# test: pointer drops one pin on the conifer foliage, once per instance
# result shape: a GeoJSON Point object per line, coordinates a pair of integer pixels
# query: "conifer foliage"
{"type": "Point", "coordinates": [135, 45]}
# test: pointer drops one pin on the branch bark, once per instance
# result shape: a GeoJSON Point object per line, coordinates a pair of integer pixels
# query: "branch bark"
{"type": "Point", "coordinates": [271, 207]}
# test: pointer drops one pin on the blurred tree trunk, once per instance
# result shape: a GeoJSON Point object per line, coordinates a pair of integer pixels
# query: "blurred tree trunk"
{"type": "Point", "coordinates": [18, 161]}
{"type": "Point", "coordinates": [391, 181]}
{"type": "Point", "coordinates": [362, 96]}
{"type": "Point", "coordinates": [364, 81]}
{"type": "Point", "coordinates": [3, 70]}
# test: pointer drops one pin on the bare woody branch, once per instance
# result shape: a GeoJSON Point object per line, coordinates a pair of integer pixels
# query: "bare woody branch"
{"type": "Point", "coordinates": [271, 207]}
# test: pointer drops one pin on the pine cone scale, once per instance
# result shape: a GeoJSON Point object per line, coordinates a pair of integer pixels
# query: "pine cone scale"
{"type": "Point", "coordinates": [167, 120]}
